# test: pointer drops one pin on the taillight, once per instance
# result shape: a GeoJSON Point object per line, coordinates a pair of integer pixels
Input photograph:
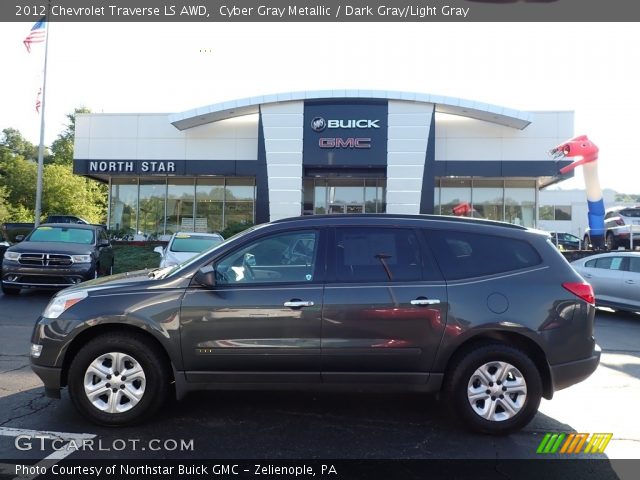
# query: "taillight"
{"type": "Point", "coordinates": [582, 290]}
{"type": "Point", "coordinates": [619, 221]}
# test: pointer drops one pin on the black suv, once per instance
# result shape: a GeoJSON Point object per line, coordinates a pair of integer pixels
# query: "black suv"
{"type": "Point", "coordinates": [491, 314]}
{"type": "Point", "coordinates": [57, 255]}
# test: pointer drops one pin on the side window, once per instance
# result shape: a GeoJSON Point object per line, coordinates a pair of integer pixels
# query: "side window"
{"type": "Point", "coordinates": [610, 263]}
{"type": "Point", "coordinates": [377, 255]}
{"type": "Point", "coordinates": [634, 265]}
{"type": "Point", "coordinates": [465, 254]}
{"type": "Point", "coordinates": [590, 264]}
{"type": "Point", "coordinates": [283, 257]}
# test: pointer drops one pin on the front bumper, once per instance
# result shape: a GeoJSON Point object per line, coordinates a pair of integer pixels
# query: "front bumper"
{"type": "Point", "coordinates": [20, 276]}
{"type": "Point", "coordinates": [51, 377]}
{"type": "Point", "coordinates": [564, 375]}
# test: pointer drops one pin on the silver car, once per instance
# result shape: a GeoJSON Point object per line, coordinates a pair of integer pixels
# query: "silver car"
{"type": "Point", "coordinates": [185, 245]}
{"type": "Point", "coordinates": [615, 277]}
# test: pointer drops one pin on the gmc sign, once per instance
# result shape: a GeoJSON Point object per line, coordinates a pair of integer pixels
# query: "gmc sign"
{"type": "Point", "coordinates": [344, 142]}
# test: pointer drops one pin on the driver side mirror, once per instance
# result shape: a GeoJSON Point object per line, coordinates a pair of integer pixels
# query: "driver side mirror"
{"type": "Point", "coordinates": [206, 277]}
{"type": "Point", "coordinates": [159, 250]}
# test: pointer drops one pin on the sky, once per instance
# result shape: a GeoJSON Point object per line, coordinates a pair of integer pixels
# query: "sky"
{"type": "Point", "coordinates": [592, 69]}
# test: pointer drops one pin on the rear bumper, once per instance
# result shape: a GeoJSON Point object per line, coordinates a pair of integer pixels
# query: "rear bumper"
{"type": "Point", "coordinates": [566, 374]}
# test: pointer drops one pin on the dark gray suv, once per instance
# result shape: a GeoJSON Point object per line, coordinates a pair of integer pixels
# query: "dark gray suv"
{"type": "Point", "coordinates": [488, 313]}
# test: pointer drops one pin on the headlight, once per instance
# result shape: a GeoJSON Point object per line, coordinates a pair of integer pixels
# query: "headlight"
{"type": "Point", "coordinates": [59, 304]}
{"type": "Point", "coordinates": [12, 255]}
{"type": "Point", "coordinates": [81, 258]}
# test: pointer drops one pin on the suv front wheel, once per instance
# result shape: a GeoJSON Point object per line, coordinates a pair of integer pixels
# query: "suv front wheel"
{"type": "Point", "coordinates": [118, 379]}
{"type": "Point", "coordinates": [494, 389]}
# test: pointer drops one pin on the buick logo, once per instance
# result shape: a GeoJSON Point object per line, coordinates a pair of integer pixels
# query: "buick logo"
{"type": "Point", "coordinates": [318, 124]}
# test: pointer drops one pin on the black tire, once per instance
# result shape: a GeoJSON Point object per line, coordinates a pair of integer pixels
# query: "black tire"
{"type": "Point", "coordinates": [462, 378]}
{"type": "Point", "coordinates": [586, 243]}
{"type": "Point", "coordinates": [138, 351]}
{"type": "Point", "coordinates": [611, 242]}
{"type": "Point", "coordinates": [10, 290]}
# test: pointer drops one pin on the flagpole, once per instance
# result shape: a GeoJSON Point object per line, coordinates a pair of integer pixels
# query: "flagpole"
{"type": "Point", "coordinates": [44, 104]}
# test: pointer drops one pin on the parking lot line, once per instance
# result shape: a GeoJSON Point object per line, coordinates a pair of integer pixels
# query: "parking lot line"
{"type": "Point", "coordinates": [49, 460]}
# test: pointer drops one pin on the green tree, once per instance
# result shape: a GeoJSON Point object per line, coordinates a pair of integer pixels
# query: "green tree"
{"type": "Point", "coordinates": [69, 194]}
{"type": "Point", "coordinates": [62, 147]}
{"type": "Point", "coordinates": [62, 193]}
{"type": "Point", "coordinates": [18, 177]}
{"type": "Point", "coordinates": [5, 213]}
{"type": "Point", "coordinates": [13, 143]}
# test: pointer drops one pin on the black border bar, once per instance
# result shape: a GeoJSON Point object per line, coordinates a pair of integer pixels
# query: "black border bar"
{"type": "Point", "coordinates": [321, 11]}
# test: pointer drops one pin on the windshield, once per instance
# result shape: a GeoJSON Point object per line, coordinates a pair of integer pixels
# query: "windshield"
{"type": "Point", "coordinates": [62, 235]}
{"type": "Point", "coordinates": [193, 243]}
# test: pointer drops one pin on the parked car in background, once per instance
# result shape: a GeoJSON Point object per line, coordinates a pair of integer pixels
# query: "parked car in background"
{"type": "Point", "coordinates": [55, 256]}
{"type": "Point", "coordinates": [620, 223]}
{"type": "Point", "coordinates": [11, 230]}
{"type": "Point", "coordinates": [490, 314]}
{"type": "Point", "coordinates": [185, 245]}
{"type": "Point", "coordinates": [565, 241]}
{"type": "Point", "coordinates": [615, 277]}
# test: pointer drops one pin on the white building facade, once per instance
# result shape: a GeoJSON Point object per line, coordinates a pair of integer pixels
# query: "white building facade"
{"type": "Point", "coordinates": [302, 153]}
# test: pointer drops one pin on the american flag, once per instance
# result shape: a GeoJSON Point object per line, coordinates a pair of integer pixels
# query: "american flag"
{"type": "Point", "coordinates": [38, 102]}
{"type": "Point", "coordinates": [36, 35]}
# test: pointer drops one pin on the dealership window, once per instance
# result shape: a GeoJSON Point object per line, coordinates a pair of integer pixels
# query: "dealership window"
{"type": "Point", "coordinates": [209, 204]}
{"type": "Point", "coordinates": [151, 200]}
{"type": "Point", "coordinates": [344, 195]}
{"type": "Point", "coordinates": [555, 212]}
{"type": "Point", "coordinates": [239, 201]}
{"type": "Point", "coordinates": [123, 206]}
{"type": "Point", "coordinates": [180, 203]}
{"type": "Point", "coordinates": [488, 199]}
{"type": "Point", "coordinates": [453, 192]}
{"type": "Point", "coordinates": [496, 199]}
{"type": "Point", "coordinates": [520, 202]}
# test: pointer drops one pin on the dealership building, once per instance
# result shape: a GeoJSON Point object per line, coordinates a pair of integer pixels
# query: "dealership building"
{"type": "Point", "coordinates": [304, 153]}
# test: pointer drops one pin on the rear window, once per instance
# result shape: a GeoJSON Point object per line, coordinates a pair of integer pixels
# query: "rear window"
{"type": "Point", "coordinates": [193, 243]}
{"type": "Point", "coordinates": [465, 255]}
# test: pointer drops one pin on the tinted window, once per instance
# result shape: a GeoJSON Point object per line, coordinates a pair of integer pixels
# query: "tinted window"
{"type": "Point", "coordinates": [590, 264]}
{"type": "Point", "coordinates": [634, 264]}
{"type": "Point", "coordinates": [283, 257]}
{"type": "Point", "coordinates": [464, 254]}
{"type": "Point", "coordinates": [377, 255]}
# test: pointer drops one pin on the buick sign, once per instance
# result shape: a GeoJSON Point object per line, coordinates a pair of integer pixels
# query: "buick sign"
{"type": "Point", "coordinates": [318, 124]}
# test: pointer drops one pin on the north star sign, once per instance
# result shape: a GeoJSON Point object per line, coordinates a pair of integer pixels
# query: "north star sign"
{"type": "Point", "coordinates": [122, 166]}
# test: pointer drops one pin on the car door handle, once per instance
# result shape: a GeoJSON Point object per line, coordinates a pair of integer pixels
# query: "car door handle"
{"type": "Point", "coordinates": [298, 303]}
{"type": "Point", "coordinates": [631, 282]}
{"type": "Point", "coordinates": [587, 275]}
{"type": "Point", "coordinates": [425, 301]}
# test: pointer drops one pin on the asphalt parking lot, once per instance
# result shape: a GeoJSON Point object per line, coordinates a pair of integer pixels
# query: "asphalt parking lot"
{"type": "Point", "coordinates": [304, 425]}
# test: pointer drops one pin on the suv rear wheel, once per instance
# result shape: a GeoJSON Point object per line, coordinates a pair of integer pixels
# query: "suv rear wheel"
{"type": "Point", "coordinates": [118, 379]}
{"type": "Point", "coordinates": [494, 389]}
{"type": "Point", "coordinates": [611, 241]}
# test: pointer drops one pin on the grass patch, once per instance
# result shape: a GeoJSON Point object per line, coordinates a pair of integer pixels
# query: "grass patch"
{"type": "Point", "coordinates": [133, 257]}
